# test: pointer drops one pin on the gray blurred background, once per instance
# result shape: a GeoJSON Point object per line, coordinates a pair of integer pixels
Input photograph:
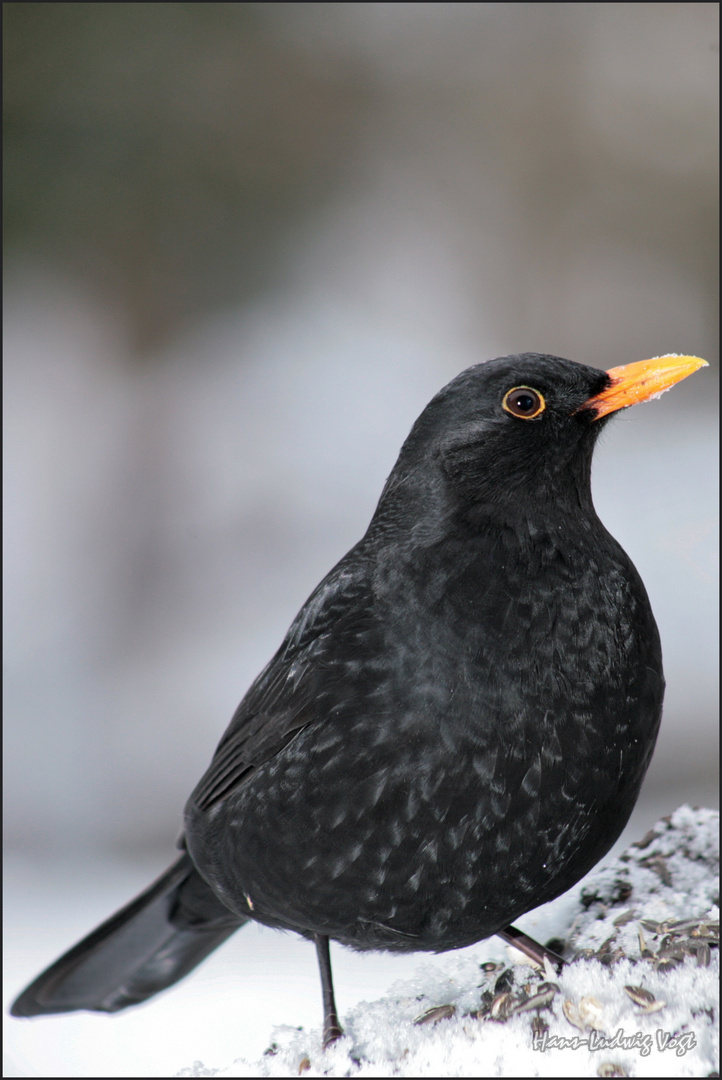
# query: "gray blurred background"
{"type": "Point", "coordinates": [245, 244]}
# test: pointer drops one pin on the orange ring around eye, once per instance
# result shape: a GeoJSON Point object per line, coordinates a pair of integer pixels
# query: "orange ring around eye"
{"type": "Point", "coordinates": [524, 402]}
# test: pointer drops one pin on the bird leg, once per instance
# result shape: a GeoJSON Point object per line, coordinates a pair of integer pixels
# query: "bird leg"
{"type": "Point", "coordinates": [332, 1029]}
{"type": "Point", "coordinates": [531, 948]}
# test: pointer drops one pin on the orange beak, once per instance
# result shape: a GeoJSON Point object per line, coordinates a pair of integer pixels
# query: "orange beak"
{"type": "Point", "coordinates": [646, 379]}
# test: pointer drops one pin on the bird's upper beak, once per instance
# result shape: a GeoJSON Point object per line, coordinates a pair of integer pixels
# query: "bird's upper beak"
{"type": "Point", "coordinates": [646, 379]}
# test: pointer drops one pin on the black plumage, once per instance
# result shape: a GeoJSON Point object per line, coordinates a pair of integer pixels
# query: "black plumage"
{"type": "Point", "coordinates": [455, 728]}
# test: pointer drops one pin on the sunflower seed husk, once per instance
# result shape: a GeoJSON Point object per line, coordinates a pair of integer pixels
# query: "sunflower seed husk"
{"type": "Point", "coordinates": [704, 956]}
{"type": "Point", "coordinates": [499, 1006]}
{"type": "Point", "coordinates": [657, 865]}
{"type": "Point", "coordinates": [709, 931]}
{"type": "Point", "coordinates": [646, 840]}
{"type": "Point", "coordinates": [571, 1012]}
{"type": "Point", "coordinates": [549, 973]}
{"type": "Point", "coordinates": [639, 995]}
{"type": "Point", "coordinates": [540, 1000]}
{"type": "Point", "coordinates": [674, 951]}
{"type": "Point", "coordinates": [681, 926]}
{"type": "Point", "coordinates": [610, 1068]}
{"type": "Point", "coordinates": [653, 1007]}
{"type": "Point", "coordinates": [623, 891]}
{"type": "Point", "coordinates": [515, 1005]}
{"type": "Point", "coordinates": [584, 954]}
{"type": "Point", "coordinates": [644, 949]}
{"type": "Point", "coordinates": [624, 918]}
{"type": "Point", "coordinates": [606, 946]}
{"type": "Point", "coordinates": [666, 963]}
{"type": "Point", "coordinates": [433, 1015]}
{"type": "Point", "coordinates": [592, 1013]}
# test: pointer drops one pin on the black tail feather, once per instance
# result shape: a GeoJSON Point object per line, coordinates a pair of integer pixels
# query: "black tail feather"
{"type": "Point", "coordinates": [145, 947]}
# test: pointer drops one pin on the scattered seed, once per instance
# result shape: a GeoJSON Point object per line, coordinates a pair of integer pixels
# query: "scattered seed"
{"type": "Point", "coordinates": [304, 1065]}
{"type": "Point", "coordinates": [644, 950]}
{"type": "Point", "coordinates": [666, 963]}
{"type": "Point", "coordinates": [639, 995]}
{"type": "Point", "coordinates": [516, 1005]}
{"type": "Point", "coordinates": [499, 1006]}
{"type": "Point", "coordinates": [540, 1000]}
{"type": "Point", "coordinates": [433, 1015]}
{"type": "Point", "coordinates": [710, 931]}
{"type": "Point", "coordinates": [489, 966]}
{"type": "Point", "coordinates": [549, 973]}
{"type": "Point", "coordinates": [704, 956]}
{"type": "Point", "coordinates": [584, 954]}
{"type": "Point", "coordinates": [623, 892]}
{"type": "Point", "coordinates": [624, 918]}
{"type": "Point", "coordinates": [620, 892]}
{"type": "Point", "coordinates": [571, 1012]}
{"type": "Point", "coordinates": [610, 1068]}
{"type": "Point", "coordinates": [652, 927]}
{"type": "Point", "coordinates": [680, 926]}
{"type": "Point", "coordinates": [657, 865]}
{"type": "Point", "coordinates": [674, 951]}
{"type": "Point", "coordinates": [592, 1013]}
{"type": "Point", "coordinates": [646, 840]}
{"type": "Point", "coordinates": [653, 1007]}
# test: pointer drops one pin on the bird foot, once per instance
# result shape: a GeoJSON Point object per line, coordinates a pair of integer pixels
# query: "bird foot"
{"type": "Point", "coordinates": [332, 1031]}
{"type": "Point", "coordinates": [531, 948]}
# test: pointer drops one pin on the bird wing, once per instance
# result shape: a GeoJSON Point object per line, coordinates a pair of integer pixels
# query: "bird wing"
{"type": "Point", "coordinates": [297, 685]}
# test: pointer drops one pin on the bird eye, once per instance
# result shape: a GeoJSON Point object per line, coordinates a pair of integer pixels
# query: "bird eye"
{"type": "Point", "coordinates": [524, 402]}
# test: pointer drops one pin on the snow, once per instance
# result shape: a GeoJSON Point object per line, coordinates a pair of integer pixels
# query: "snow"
{"type": "Point", "coordinates": [672, 1034]}
{"type": "Point", "coordinates": [646, 921]}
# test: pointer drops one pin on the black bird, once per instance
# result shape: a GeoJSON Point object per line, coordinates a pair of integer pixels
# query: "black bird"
{"type": "Point", "coordinates": [455, 728]}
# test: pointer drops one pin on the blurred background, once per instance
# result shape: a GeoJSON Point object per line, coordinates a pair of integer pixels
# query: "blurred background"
{"type": "Point", "coordinates": [244, 245]}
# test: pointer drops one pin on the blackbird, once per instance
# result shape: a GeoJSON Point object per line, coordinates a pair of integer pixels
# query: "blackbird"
{"type": "Point", "coordinates": [455, 728]}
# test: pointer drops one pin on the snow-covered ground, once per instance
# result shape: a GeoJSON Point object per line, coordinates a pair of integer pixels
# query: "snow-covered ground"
{"type": "Point", "coordinates": [641, 999]}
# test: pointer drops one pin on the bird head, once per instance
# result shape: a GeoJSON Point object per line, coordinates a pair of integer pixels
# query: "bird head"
{"type": "Point", "coordinates": [519, 432]}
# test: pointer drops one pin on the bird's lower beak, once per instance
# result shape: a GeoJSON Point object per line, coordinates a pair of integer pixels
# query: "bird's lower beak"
{"type": "Point", "coordinates": [641, 381]}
